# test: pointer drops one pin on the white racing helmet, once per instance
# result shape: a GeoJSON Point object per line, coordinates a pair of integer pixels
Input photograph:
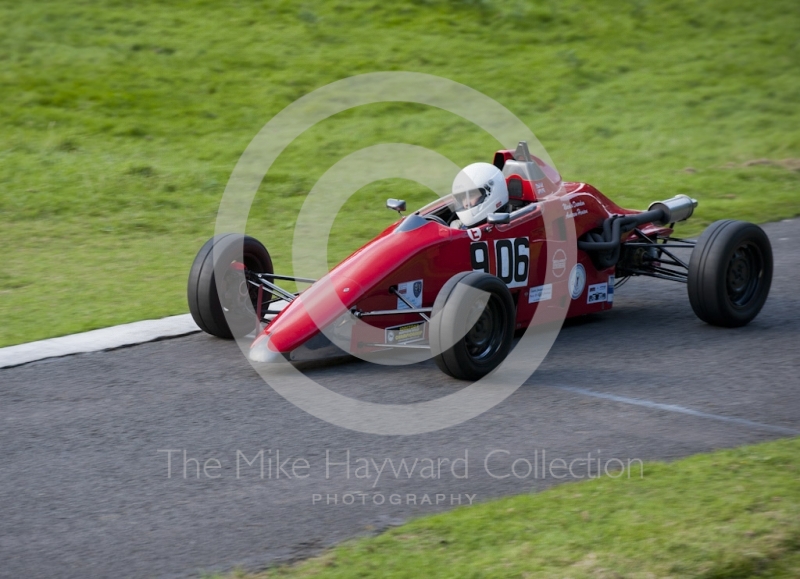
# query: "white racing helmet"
{"type": "Point", "coordinates": [479, 190]}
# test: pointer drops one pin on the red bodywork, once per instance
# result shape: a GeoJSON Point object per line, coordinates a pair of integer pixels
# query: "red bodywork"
{"type": "Point", "coordinates": [433, 253]}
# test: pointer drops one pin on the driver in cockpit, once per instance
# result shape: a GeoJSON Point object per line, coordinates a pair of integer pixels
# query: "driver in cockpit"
{"type": "Point", "coordinates": [478, 190]}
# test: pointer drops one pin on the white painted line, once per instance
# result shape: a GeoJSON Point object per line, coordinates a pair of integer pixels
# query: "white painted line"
{"type": "Point", "coordinates": [679, 409]}
{"type": "Point", "coordinates": [98, 340]}
{"type": "Point", "coordinates": [106, 338]}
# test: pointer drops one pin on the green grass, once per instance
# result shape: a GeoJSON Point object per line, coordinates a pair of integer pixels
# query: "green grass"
{"type": "Point", "coordinates": [120, 125]}
{"type": "Point", "coordinates": [725, 515]}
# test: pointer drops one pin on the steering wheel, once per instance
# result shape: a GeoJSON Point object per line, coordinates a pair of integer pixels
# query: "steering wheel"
{"type": "Point", "coordinates": [435, 218]}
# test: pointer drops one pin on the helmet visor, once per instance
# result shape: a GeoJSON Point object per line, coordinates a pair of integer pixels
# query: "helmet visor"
{"type": "Point", "coordinates": [469, 199]}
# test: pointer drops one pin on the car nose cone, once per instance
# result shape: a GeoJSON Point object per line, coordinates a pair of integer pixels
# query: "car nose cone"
{"type": "Point", "coordinates": [262, 353]}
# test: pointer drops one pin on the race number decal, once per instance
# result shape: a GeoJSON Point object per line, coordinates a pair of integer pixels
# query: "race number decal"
{"type": "Point", "coordinates": [479, 255]}
{"type": "Point", "coordinates": [512, 260]}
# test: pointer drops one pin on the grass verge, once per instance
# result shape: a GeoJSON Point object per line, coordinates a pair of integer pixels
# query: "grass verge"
{"type": "Point", "coordinates": [724, 515]}
{"type": "Point", "coordinates": [119, 125]}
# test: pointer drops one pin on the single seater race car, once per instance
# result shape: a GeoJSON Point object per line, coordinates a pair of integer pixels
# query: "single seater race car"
{"type": "Point", "coordinates": [536, 249]}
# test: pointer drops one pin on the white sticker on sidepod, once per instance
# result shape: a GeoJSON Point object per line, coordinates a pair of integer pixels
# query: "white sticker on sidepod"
{"type": "Point", "coordinates": [577, 281]}
{"type": "Point", "coordinates": [540, 293]}
{"type": "Point", "coordinates": [405, 334]}
{"type": "Point", "coordinates": [611, 282]}
{"type": "Point", "coordinates": [597, 293]}
{"type": "Point", "coordinates": [559, 263]}
{"type": "Point", "coordinates": [411, 292]}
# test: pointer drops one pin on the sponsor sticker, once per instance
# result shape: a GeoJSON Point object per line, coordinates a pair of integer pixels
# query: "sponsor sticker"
{"type": "Point", "coordinates": [598, 292]}
{"type": "Point", "coordinates": [577, 281]}
{"type": "Point", "coordinates": [412, 292]}
{"type": "Point", "coordinates": [611, 282]}
{"type": "Point", "coordinates": [406, 333]}
{"type": "Point", "coordinates": [474, 234]}
{"type": "Point", "coordinates": [573, 209]}
{"type": "Point", "coordinates": [540, 293]}
{"type": "Point", "coordinates": [559, 263]}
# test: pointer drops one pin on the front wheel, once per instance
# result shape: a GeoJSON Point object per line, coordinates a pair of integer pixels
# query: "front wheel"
{"type": "Point", "coordinates": [472, 325]}
{"type": "Point", "coordinates": [730, 272]}
{"type": "Point", "coordinates": [226, 308]}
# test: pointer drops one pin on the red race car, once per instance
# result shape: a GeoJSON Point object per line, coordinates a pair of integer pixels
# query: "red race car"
{"type": "Point", "coordinates": [513, 245]}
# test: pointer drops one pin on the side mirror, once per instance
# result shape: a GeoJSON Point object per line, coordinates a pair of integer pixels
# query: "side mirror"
{"type": "Point", "coordinates": [396, 205]}
{"type": "Point", "coordinates": [499, 218]}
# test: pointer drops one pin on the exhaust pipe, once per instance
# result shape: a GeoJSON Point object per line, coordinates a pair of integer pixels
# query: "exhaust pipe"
{"type": "Point", "coordinates": [606, 246]}
{"type": "Point", "coordinates": [678, 208]}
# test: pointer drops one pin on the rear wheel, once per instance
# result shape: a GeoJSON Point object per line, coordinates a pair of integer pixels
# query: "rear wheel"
{"type": "Point", "coordinates": [730, 273]}
{"type": "Point", "coordinates": [226, 309]}
{"type": "Point", "coordinates": [471, 331]}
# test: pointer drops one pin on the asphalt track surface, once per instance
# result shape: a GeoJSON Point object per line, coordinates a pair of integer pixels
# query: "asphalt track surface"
{"type": "Point", "coordinates": [85, 492]}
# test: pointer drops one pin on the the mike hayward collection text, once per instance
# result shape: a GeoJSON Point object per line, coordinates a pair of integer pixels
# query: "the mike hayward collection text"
{"type": "Point", "coordinates": [498, 464]}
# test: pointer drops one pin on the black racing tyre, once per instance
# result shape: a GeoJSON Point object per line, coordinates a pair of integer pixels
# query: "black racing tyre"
{"type": "Point", "coordinates": [469, 335]}
{"type": "Point", "coordinates": [730, 273]}
{"type": "Point", "coordinates": [232, 313]}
